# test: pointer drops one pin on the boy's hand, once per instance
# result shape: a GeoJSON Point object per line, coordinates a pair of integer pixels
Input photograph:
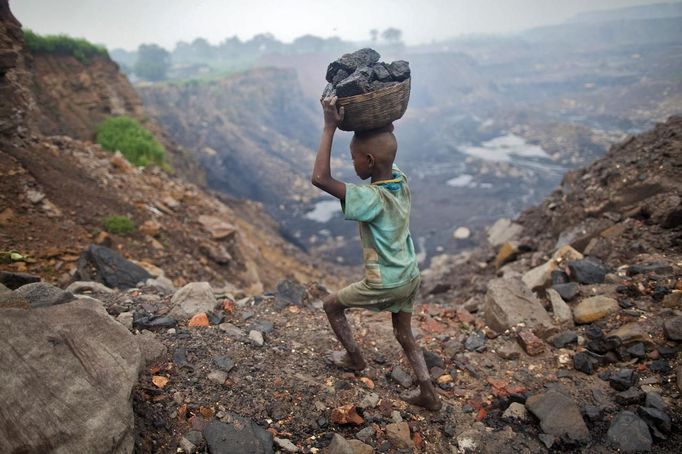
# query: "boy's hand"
{"type": "Point", "coordinates": [332, 115]}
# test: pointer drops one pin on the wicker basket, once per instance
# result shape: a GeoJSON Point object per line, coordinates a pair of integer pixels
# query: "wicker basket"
{"type": "Point", "coordinates": [375, 109]}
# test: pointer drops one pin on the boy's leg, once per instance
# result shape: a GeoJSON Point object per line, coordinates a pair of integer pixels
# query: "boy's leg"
{"type": "Point", "coordinates": [402, 329]}
{"type": "Point", "coordinates": [337, 319]}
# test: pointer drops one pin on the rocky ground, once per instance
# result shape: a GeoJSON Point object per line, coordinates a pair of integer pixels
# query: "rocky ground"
{"type": "Point", "coordinates": [563, 333]}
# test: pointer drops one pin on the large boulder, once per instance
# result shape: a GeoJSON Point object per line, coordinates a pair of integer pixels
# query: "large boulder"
{"type": "Point", "coordinates": [509, 302]}
{"type": "Point", "coordinates": [67, 376]}
{"type": "Point", "coordinates": [191, 299]}
{"type": "Point", "coordinates": [101, 264]}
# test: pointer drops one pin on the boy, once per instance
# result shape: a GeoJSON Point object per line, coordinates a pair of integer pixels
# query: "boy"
{"type": "Point", "coordinates": [391, 278]}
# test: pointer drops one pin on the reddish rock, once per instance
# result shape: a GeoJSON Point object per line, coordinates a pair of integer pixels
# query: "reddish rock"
{"type": "Point", "coordinates": [150, 228]}
{"type": "Point", "coordinates": [532, 344]}
{"type": "Point", "coordinates": [346, 414]}
{"type": "Point", "coordinates": [200, 319]}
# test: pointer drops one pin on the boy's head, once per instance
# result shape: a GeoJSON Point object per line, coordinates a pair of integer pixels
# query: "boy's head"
{"type": "Point", "coordinates": [373, 150]}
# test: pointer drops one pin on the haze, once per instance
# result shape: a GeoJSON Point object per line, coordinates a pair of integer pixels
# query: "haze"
{"type": "Point", "coordinates": [128, 23]}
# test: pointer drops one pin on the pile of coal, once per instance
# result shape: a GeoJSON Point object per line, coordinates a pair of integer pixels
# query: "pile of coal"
{"type": "Point", "coordinates": [362, 72]}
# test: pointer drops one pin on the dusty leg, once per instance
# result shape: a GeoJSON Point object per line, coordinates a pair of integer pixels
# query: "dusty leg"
{"type": "Point", "coordinates": [427, 397]}
{"type": "Point", "coordinates": [353, 359]}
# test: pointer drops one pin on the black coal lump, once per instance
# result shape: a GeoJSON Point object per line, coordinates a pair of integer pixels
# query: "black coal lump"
{"type": "Point", "coordinates": [399, 70]}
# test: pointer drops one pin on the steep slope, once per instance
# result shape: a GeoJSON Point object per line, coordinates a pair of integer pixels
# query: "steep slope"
{"type": "Point", "coordinates": [56, 191]}
{"type": "Point", "coordinates": [72, 97]}
{"type": "Point", "coordinates": [251, 131]}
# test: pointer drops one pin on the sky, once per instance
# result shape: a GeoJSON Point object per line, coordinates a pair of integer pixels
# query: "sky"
{"type": "Point", "coordinates": [129, 23]}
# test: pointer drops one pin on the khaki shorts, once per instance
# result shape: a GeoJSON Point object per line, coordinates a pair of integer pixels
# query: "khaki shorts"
{"type": "Point", "coordinates": [396, 299]}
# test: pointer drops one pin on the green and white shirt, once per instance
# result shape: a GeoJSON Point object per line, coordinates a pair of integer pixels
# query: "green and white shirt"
{"type": "Point", "coordinates": [383, 211]}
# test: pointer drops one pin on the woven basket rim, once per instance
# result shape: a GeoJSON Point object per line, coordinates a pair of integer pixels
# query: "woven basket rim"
{"type": "Point", "coordinates": [373, 94]}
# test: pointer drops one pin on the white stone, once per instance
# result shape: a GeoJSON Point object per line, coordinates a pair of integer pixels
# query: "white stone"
{"type": "Point", "coordinates": [461, 233]}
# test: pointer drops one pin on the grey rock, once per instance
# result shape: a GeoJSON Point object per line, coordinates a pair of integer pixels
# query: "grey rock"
{"type": "Point", "coordinates": [187, 446]}
{"type": "Point", "coordinates": [78, 366]}
{"type": "Point", "coordinates": [290, 292]}
{"type": "Point", "coordinates": [401, 377]}
{"type": "Point", "coordinates": [231, 331]}
{"type": "Point", "coordinates": [547, 440]}
{"type": "Point", "coordinates": [264, 326]}
{"type": "Point", "coordinates": [516, 411]}
{"type": "Point", "coordinates": [585, 362]}
{"type": "Point", "coordinates": [650, 267]}
{"type": "Point", "coordinates": [40, 294]}
{"type": "Point", "coordinates": [79, 287]}
{"type": "Point", "coordinates": [396, 416]}
{"type": "Point", "coordinates": [475, 342]}
{"type": "Point", "coordinates": [567, 291]}
{"type": "Point", "coordinates": [256, 337]}
{"type": "Point", "coordinates": [180, 358]}
{"type": "Point", "coordinates": [286, 445]}
{"type": "Point", "coordinates": [370, 400]}
{"type": "Point", "coordinates": [225, 363]}
{"type": "Point", "coordinates": [237, 436]}
{"type": "Point", "coordinates": [432, 359]}
{"type": "Point", "coordinates": [563, 339]}
{"type": "Point", "coordinates": [101, 264]}
{"type": "Point", "coordinates": [656, 419]}
{"type": "Point", "coordinates": [588, 271]}
{"type": "Point", "coordinates": [622, 379]}
{"type": "Point", "coordinates": [155, 322]}
{"type": "Point", "coordinates": [195, 436]}
{"type": "Point", "coordinates": [338, 445]}
{"type": "Point", "coordinates": [672, 328]}
{"type": "Point", "coordinates": [15, 280]}
{"type": "Point", "coordinates": [559, 416]}
{"type": "Point", "coordinates": [365, 434]}
{"type": "Point", "coordinates": [560, 310]}
{"type": "Point", "coordinates": [217, 376]}
{"type": "Point", "coordinates": [630, 396]}
{"type": "Point", "coordinates": [629, 433]}
{"type": "Point", "coordinates": [509, 302]}
{"type": "Point", "coordinates": [192, 299]}
{"type": "Point", "coordinates": [508, 351]}
{"type": "Point", "coordinates": [161, 283]}
{"type": "Point", "coordinates": [654, 400]}
{"type": "Point", "coordinates": [151, 348]}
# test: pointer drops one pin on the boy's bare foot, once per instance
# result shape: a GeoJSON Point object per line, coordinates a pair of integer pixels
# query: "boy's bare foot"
{"type": "Point", "coordinates": [420, 399]}
{"type": "Point", "coordinates": [343, 361]}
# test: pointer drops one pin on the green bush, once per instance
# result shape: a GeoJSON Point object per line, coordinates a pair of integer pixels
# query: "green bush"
{"type": "Point", "coordinates": [136, 143]}
{"type": "Point", "coordinates": [119, 224]}
{"type": "Point", "coordinates": [79, 48]}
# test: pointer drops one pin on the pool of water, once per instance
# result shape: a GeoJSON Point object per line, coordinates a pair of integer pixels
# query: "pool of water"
{"type": "Point", "coordinates": [505, 148]}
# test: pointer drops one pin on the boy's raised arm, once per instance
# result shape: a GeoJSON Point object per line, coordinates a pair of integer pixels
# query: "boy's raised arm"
{"type": "Point", "coordinates": [322, 175]}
